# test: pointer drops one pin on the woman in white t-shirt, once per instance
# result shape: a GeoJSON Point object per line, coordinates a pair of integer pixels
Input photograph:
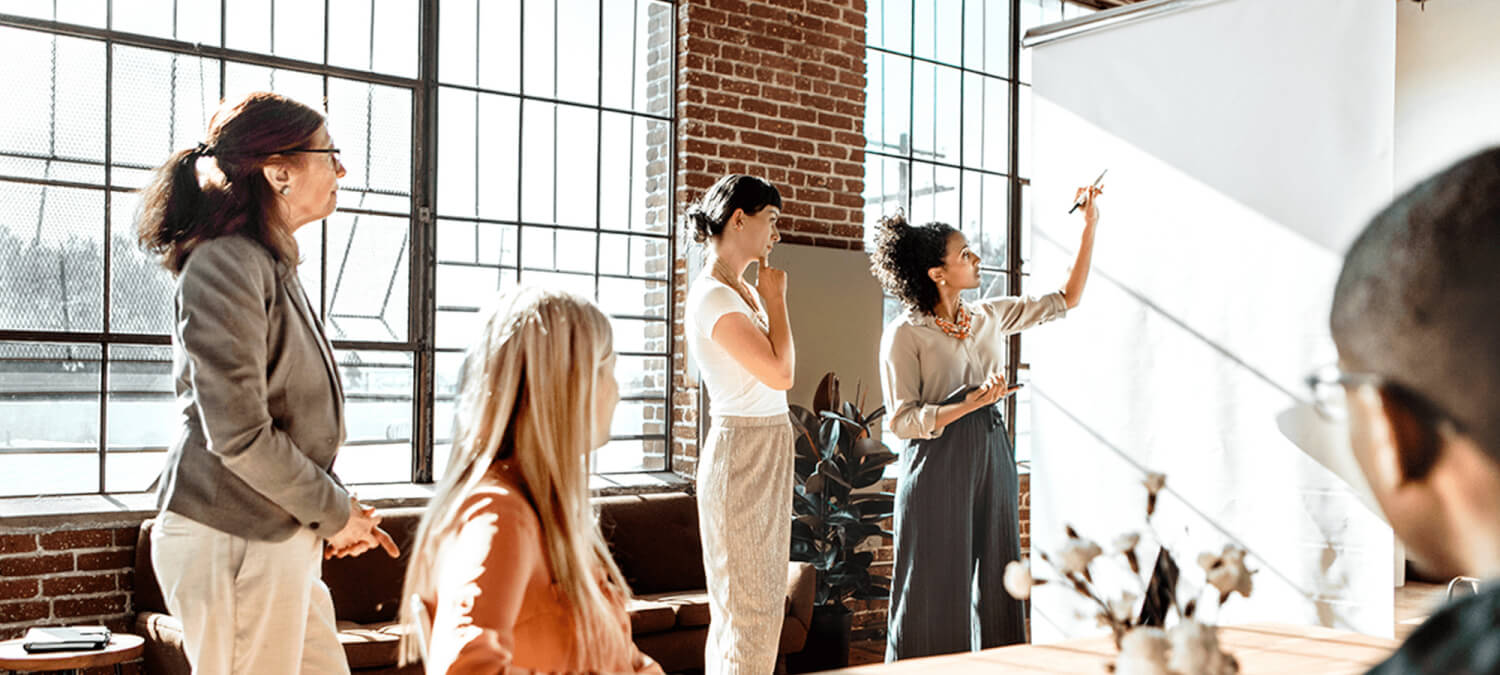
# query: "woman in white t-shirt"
{"type": "Point", "coordinates": [742, 341]}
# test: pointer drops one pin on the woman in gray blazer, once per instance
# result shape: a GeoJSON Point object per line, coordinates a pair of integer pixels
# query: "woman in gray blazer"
{"type": "Point", "coordinates": [248, 497]}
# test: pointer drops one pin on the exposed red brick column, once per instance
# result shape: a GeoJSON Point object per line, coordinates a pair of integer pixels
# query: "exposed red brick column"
{"type": "Point", "coordinates": [771, 88]}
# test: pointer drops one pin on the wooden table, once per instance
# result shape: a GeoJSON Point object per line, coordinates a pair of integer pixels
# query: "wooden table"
{"type": "Point", "coordinates": [122, 647]}
{"type": "Point", "coordinates": [1260, 648]}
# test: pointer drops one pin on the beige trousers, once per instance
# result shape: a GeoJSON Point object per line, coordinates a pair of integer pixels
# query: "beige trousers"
{"type": "Point", "coordinates": [745, 475]}
{"type": "Point", "coordinates": [247, 606]}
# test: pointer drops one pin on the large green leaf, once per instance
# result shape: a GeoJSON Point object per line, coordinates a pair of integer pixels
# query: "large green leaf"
{"type": "Point", "coordinates": [814, 483]}
{"type": "Point", "coordinates": [827, 395]}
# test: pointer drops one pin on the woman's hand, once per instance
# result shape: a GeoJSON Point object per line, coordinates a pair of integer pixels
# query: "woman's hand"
{"type": "Point", "coordinates": [360, 534]}
{"type": "Point", "coordinates": [1090, 204]}
{"type": "Point", "coordinates": [988, 393]}
{"type": "Point", "coordinates": [770, 282]}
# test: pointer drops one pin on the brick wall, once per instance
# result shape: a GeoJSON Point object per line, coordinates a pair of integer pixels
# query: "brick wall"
{"type": "Point", "coordinates": [771, 88]}
{"type": "Point", "coordinates": [56, 577]}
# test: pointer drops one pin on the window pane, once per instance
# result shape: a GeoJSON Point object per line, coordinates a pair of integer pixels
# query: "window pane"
{"type": "Point", "coordinates": [51, 258]}
{"type": "Point", "coordinates": [987, 36]}
{"type": "Point", "coordinates": [633, 256]}
{"type": "Point", "coordinates": [54, 90]}
{"type": "Point", "coordinates": [934, 194]}
{"type": "Point", "coordinates": [376, 35]}
{"type": "Point", "coordinates": [986, 214]}
{"type": "Point", "coordinates": [185, 21]}
{"type": "Point", "coordinates": [561, 43]}
{"type": "Point", "coordinates": [640, 335]}
{"type": "Point", "coordinates": [243, 78]}
{"type": "Point", "coordinates": [642, 375]}
{"type": "Point", "coordinates": [85, 12]}
{"type": "Point", "coordinates": [560, 156]}
{"type": "Point", "coordinates": [377, 416]}
{"type": "Point", "coordinates": [935, 105]}
{"type": "Point", "coordinates": [477, 163]}
{"type": "Point", "coordinates": [547, 249]}
{"type": "Point", "coordinates": [889, 24]}
{"type": "Point", "coordinates": [371, 126]}
{"type": "Point", "coordinates": [144, 418]}
{"type": "Point", "coordinates": [141, 290]}
{"type": "Point", "coordinates": [367, 277]}
{"type": "Point", "coordinates": [289, 28]}
{"type": "Point", "coordinates": [635, 154]}
{"type": "Point", "coordinates": [635, 297]}
{"type": "Point", "coordinates": [638, 56]}
{"type": "Point", "coordinates": [938, 27]}
{"type": "Point", "coordinates": [49, 414]}
{"type": "Point", "coordinates": [986, 135]}
{"type": "Point", "coordinates": [476, 243]}
{"type": "Point", "coordinates": [886, 186]}
{"type": "Point", "coordinates": [161, 103]}
{"type": "Point", "coordinates": [621, 456]}
{"type": "Point", "coordinates": [889, 103]}
{"type": "Point", "coordinates": [1023, 121]}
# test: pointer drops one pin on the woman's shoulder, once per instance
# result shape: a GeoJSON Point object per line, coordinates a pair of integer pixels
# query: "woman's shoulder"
{"type": "Point", "coordinates": [499, 505]}
{"type": "Point", "coordinates": [231, 250]}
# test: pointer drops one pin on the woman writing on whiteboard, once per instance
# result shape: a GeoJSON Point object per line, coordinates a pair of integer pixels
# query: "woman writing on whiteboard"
{"type": "Point", "coordinates": [743, 343]}
{"type": "Point", "coordinates": [942, 368]}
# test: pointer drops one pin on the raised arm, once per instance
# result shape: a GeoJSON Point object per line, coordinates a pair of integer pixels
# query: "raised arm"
{"type": "Point", "coordinates": [1078, 276]}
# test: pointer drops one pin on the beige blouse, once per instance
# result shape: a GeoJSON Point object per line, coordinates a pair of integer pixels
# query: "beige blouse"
{"type": "Point", "coordinates": [920, 365]}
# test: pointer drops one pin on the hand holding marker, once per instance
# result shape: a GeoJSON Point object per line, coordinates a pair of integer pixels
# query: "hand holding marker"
{"type": "Point", "coordinates": [1082, 199]}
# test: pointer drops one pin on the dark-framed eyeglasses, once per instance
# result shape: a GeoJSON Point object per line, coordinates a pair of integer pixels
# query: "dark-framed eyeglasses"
{"type": "Point", "coordinates": [333, 153]}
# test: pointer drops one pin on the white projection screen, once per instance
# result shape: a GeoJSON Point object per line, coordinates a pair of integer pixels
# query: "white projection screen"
{"type": "Point", "coordinates": [1247, 142]}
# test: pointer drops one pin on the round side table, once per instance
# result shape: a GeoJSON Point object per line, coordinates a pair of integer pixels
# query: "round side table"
{"type": "Point", "coordinates": [122, 647]}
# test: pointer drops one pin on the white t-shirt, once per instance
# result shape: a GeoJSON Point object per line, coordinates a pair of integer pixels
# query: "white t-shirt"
{"type": "Point", "coordinates": [732, 390]}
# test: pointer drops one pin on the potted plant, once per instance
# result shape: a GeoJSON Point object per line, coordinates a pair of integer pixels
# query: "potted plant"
{"type": "Point", "coordinates": [834, 513]}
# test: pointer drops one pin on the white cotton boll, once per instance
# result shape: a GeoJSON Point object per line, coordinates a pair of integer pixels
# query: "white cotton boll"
{"type": "Point", "coordinates": [1077, 554]}
{"type": "Point", "coordinates": [1123, 607]}
{"type": "Point", "coordinates": [1143, 651]}
{"type": "Point", "coordinates": [1018, 580]}
{"type": "Point", "coordinates": [1195, 651]}
{"type": "Point", "coordinates": [1125, 542]}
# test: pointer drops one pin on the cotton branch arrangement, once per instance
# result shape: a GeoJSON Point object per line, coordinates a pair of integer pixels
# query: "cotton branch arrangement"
{"type": "Point", "coordinates": [1146, 648]}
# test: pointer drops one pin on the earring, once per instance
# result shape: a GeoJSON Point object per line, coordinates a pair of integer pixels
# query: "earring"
{"type": "Point", "coordinates": [286, 190]}
{"type": "Point", "coordinates": [943, 282]}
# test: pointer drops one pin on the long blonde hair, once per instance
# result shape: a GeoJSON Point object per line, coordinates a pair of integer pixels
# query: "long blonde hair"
{"type": "Point", "coordinates": [527, 394]}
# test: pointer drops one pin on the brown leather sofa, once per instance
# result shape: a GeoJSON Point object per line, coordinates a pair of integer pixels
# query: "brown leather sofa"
{"type": "Point", "coordinates": [655, 542]}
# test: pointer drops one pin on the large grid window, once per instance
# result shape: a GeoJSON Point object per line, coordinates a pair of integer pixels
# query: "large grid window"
{"type": "Point", "coordinates": [550, 168]}
{"type": "Point", "coordinates": [947, 136]}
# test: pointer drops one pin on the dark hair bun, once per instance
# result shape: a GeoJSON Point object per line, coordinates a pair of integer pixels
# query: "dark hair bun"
{"type": "Point", "coordinates": [700, 223]}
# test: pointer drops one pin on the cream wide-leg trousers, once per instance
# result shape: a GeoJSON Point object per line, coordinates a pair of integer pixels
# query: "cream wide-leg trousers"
{"type": "Point", "coordinates": [247, 606]}
{"type": "Point", "coordinates": [745, 475]}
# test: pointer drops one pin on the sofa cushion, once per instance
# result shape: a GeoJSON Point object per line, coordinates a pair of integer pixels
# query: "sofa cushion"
{"type": "Point", "coordinates": [366, 589]}
{"type": "Point", "coordinates": [654, 540]}
{"type": "Point", "coordinates": [373, 645]}
{"type": "Point", "coordinates": [650, 617]}
{"type": "Point", "coordinates": [691, 607]}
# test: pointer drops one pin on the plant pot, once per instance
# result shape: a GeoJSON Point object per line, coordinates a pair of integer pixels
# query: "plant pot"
{"type": "Point", "coordinates": [827, 645]}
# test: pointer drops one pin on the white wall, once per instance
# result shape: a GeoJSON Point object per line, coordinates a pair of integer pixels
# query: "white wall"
{"type": "Point", "coordinates": [1447, 84]}
{"type": "Point", "coordinates": [1247, 141]}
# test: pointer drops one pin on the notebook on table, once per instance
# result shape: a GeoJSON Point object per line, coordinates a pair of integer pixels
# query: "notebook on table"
{"type": "Point", "coordinates": [65, 638]}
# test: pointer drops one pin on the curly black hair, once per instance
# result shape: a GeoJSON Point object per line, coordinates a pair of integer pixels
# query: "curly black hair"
{"type": "Point", "coordinates": [903, 254]}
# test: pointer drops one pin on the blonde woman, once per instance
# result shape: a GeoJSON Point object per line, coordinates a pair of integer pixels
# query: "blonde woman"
{"type": "Point", "coordinates": [743, 344]}
{"type": "Point", "coordinates": [508, 570]}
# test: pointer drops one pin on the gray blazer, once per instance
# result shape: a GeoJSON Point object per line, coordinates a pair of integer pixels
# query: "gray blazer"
{"type": "Point", "coordinates": [262, 405]}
